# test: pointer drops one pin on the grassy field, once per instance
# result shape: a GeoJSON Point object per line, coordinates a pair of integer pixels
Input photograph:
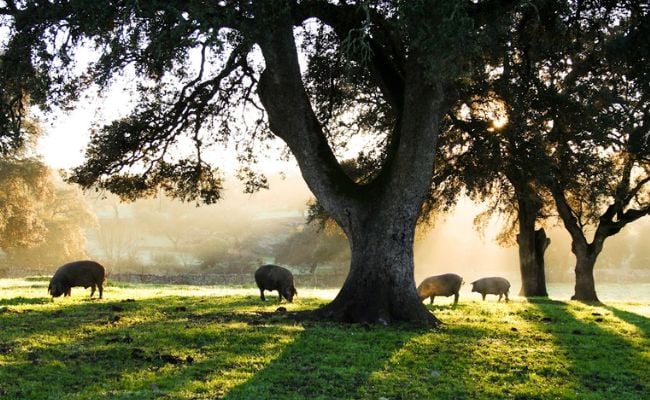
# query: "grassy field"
{"type": "Point", "coordinates": [179, 342]}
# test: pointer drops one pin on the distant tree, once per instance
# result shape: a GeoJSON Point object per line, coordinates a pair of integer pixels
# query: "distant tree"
{"type": "Point", "coordinates": [599, 165]}
{"type": "Point", "coordinates": [569, 114]}
{"type": "Point", "coordinates": [310, 247]}
{"type": "Point", "coordinates": [65, 217]}
{"type": "Point", "coordinates": [25, 187]}
{"type": "Point", "coordinates": [25, 182]}
{"type": "Point", "coordinates": [495, 167]}
{"type": "Point", "coordinates": [598, 171]}
{"type": "Point", "coordinates": [492, 149]}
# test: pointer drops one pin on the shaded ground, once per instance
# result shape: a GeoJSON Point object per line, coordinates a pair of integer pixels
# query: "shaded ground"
{"type": "Point", "coordinates": [146, 342]}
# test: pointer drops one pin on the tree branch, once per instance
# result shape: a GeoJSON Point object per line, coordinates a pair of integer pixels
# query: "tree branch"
{"type": "Point", "coordinates": [292, 119]}
{"type": "Point", "coordinates": [385, 66]}
{"type": "Point", "coordinates": [567, 215]}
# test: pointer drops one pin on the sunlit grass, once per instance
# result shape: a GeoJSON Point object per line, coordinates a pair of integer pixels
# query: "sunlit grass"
{"type": "Point", "coordinates": [187, 342]}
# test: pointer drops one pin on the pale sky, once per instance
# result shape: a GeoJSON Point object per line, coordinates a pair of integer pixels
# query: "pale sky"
{"type": "Point", "coordinates": [65, 137]}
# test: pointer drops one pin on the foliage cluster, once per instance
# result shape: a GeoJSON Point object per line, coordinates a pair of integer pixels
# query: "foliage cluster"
{"type": "Point", "coordinates": [42, 220]}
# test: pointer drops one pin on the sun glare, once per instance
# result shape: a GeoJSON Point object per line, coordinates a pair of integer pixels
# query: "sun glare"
{"type": "Point", "coordinates": [500, 122]}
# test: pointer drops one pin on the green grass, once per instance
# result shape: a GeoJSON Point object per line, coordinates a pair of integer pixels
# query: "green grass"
{"type": "Point", "coordinates": [180, 342]}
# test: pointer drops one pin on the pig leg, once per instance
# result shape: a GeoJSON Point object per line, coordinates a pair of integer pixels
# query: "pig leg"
{"type": "Point", "coordinates": [483, 294]}
{"type": "Point", "coordinates": [500, 296]}
{"type": "Point", "coordinates": [67, 292]}
{"type": "Point", "coordinates": [262, 295]}
{"type": "Point", "coordinates": [101, 290]}
{"type": "Point", "coordinates": [455, 298]}
{"type": "Point", "coordinates": [279, 296]}
{"type": "Point", "coordinates": [92, 290]}
{"type": "Point", "coordinates": [507, 299]}
{"type": "Point", "coordinates": [431, 299]}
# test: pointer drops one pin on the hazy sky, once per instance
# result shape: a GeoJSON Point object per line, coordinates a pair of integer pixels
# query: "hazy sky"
{"type": "Point", "coordinates": [65, 135]}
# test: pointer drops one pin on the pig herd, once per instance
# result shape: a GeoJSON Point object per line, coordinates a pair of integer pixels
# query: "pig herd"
{"type": "Point", "coordinates": [272, 278]}
{"type": "Point", "coordinates": [92, 274]}
{"type": "Point", "coordinates": [449, 284]}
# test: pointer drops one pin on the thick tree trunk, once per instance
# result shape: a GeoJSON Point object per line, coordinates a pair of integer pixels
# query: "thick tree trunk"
{"type": "Point", "coordinates": [615, 218]}
{"type": "Point", "coordinates": [585, 289]}
{"type": "Point", "coordinates": [586, 253]}
{"type": "Point", "coordinates": [532, 245]}
{"type": "Point", "coordinates": [380, 287]}
{"type": "Point", "coordinates": [378, 217]}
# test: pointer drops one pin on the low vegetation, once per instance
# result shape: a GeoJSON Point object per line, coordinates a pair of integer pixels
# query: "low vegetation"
{"type": "Point", "coordinates": [182, 342]}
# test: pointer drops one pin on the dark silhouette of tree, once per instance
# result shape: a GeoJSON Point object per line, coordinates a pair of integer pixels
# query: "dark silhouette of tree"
{"type": "Point", "coordinates": [600, 178]}
{"type": "Point", "coordinates": [387, 69]}
{"type": "Point", "coordinates": [564, 81]}
{"type": "Point", "coordinates": [492, 149]}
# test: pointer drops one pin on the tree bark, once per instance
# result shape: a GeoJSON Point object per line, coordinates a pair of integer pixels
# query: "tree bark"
{"type": "Point", "coordinates": [532, 246]}
{"type": "Point", "coordinates": [585, 288]}
{"type": "Point", "coordinates": [586, 253]}
{"type": "Point", "coordinates": [380, 287]}
{"type": "Point", "coordinates": [378, 217]}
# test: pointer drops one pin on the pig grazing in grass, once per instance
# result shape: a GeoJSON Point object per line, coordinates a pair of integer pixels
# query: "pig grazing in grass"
{"type": "Point", "coordinates": [78, 273]}
{"type": "Point", "coordinates": [440, 285]}
{"type": "Point", "coordinates": [273, 277]}
{"type": "Point", "coordinates": [493, 285]}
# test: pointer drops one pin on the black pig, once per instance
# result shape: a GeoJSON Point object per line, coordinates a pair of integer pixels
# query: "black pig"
{"type": "Point", "coordinates": [273, 277]}
{"type": "Point", "coordinates": [493, 285]}
{"type": "Point", "coordinates": [78, 273]}
{"type": "Point", "coordinates": [440, 285]}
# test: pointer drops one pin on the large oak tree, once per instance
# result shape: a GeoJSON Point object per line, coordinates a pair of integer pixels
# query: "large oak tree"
{"type": "Point", "coordinates": [312, 72]}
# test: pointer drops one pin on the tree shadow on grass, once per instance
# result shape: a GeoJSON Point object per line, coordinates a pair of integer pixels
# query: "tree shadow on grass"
{"type": "Point", "coordinates": [333, 361]}
{"type": "Point", "coordinates": [63, 318]}
{"type": "Point", "coordinates": [183, 352]}
{"type": "Point", "coordinates": [640, 321]}
{"type": "Point", "coordinates": [326, 360]}
{"type": "Point", "coordinates": [139, 349]}
{"type": "Point", "coordinates": [18, 301]}
{"type": "Point", "coordinates": [603, 363]}
{"type": "Point", "coordinates": [203, 347]}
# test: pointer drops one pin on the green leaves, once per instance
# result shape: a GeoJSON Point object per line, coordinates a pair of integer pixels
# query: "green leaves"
{"type": "Point", "coordinates": [444, 38]}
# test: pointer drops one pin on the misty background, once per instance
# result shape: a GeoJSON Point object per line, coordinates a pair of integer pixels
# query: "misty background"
{"type": "Point", "coordinates": [166, 241]}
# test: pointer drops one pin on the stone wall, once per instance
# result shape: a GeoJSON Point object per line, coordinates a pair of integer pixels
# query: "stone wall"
{"type": "Point", "coordinates": [304, 280]}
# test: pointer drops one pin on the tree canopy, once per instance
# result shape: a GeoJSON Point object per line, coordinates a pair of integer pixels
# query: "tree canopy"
{"type": "Point", "coordinates": [576, 137]}
{"type": "Point", "coordinates": [315, 74]}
